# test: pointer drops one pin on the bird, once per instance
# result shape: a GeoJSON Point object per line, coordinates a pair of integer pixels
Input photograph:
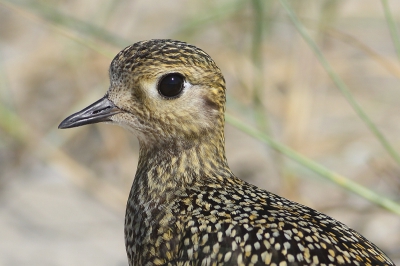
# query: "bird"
{"type": "Point", "coordinates": [186, 207]}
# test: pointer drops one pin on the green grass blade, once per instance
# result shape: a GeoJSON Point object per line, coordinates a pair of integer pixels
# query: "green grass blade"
{"type": "Point", "coordinates": [256, 51]}
{"type": "Point", "coordinates": [58, 18]}
{"type": "Point", "coordinates": [392, 27]}
{"type": "Point", "coordinates": [336, 178]}
{"type": "Point", "coordinates": [205, 20]}
{"type": "Point", "coordinates": [340, 84]}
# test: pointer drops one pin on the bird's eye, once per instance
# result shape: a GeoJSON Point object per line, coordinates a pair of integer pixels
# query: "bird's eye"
{"type": "Point", "coordinates": [171, 85]}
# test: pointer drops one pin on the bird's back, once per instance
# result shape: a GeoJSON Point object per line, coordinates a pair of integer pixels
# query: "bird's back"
{"type": "Point", "coordinates": [235, 223]}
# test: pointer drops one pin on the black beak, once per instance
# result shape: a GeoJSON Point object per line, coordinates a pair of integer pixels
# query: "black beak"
{"type": "Point", "coordinates": [99, 111]}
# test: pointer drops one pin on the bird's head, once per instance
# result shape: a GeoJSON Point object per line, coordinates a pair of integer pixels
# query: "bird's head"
{"type": "Point", "coordinates": [164, 91]}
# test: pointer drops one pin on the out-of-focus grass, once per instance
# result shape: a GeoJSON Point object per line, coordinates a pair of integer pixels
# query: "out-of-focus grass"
{"type": "Point", "coordinates": [341, 85]}
{"type": "Point", "coordinates": [317, 168]}
{"type": "Point", "coordinates": [392, 26]}
{"type": "Point", "coordinates": [56, 18]}
{"type": "Point", "coordinates": [259, 23]}
{"type": "Point", "coordinates": [63, 24]}
{"type": "Point", "coordinates": [388, 65]}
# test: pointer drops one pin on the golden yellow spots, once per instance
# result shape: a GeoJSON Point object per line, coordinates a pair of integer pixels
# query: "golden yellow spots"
{"type": "Point", "coordinates": [247, 250]}
{"type": "Point", "coordinates": [167, 236]}
{"type": "Point", "coordinates": [159, 261]}
{"type": "Point", "coordinates": [215, 248]}
{"type": "Point", "coordinates": [234, 246]}
{"type": "Point", "coordinates": [228, 231]}
{"type": "Point", "coordinates": [267, 244]}
{"type": "Point", "coordinates": [246, 237]}
{"type": "Point", "coordinates": [340, 259]}
{"type": "Point", "coordinates": [202, 226]}
{"type": "Point", "coordinates": [252, 217]}
{"type": "Point", "coordinates": [240, 259]}
{"type": "Point", "coordinates": [254, 258]}
{"type": "Point", "coordinates": [261, 221]}
{"type": "Point", "coordinates": [194, 230]}
{"type": "Point", "coordinates": [266, 257]}
{"type": "Point", "coordinates": [227, 256]}
{"type": "Point", "coordinates": [286, 245]}
{"type": "Point", "coordinates": [204, 240]}
{"type": "Point", "coordinates": [236, 197]}
{"type": "Point", "coordinates": [300, 257]}
{"type": "Point", "coordinates": [195, 238]}
{"type": "Point", "coordinates": [220, 236]}
{"type": "Point", "coordinates": [206, 249]}
{"type": "Point", "coordinates": [306, 253]}
{"type": "Point", "coordinates": [186, 242]}
{"type": "Point", "coordinates": [315, 260]}
{"type": "Point", "coordinates": [218, 226]}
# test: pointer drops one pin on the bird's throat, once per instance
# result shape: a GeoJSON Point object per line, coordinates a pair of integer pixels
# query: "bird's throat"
{"type": "Point", "coordinates": [164, 170]}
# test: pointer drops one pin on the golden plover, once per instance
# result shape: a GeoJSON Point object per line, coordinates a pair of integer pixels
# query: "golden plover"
{"type": "Point", "coordinates": [186, 207]}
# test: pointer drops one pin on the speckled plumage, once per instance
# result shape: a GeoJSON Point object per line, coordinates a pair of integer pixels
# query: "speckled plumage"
{"type": "Point", "coordinates": [186, 207]}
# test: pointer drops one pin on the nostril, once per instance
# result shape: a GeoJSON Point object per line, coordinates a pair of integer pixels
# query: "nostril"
{"type": "Point", "coordinates": [101, 110]}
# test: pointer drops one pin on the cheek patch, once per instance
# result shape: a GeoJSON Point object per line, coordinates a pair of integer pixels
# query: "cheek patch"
{"type": "Point", "coordinates": [209, 104]}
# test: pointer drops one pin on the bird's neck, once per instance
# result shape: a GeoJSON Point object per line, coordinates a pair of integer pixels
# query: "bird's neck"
{"type": "Point", "coordinates": [168, 167]}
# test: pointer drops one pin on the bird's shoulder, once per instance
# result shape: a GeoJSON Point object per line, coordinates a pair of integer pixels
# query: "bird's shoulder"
{"type": "Point", "coordinates": [239, 222]}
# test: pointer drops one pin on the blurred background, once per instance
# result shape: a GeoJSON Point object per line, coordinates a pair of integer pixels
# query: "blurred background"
{"type": "Point", "coordinates": [63, 192]}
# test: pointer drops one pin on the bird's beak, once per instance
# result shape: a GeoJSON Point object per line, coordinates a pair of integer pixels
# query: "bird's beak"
{"type": "Point", "coordinates": [99, 111]}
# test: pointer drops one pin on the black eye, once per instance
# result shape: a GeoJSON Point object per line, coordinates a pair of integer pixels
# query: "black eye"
{"type": "Point", "coordinates": [171, 85]}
